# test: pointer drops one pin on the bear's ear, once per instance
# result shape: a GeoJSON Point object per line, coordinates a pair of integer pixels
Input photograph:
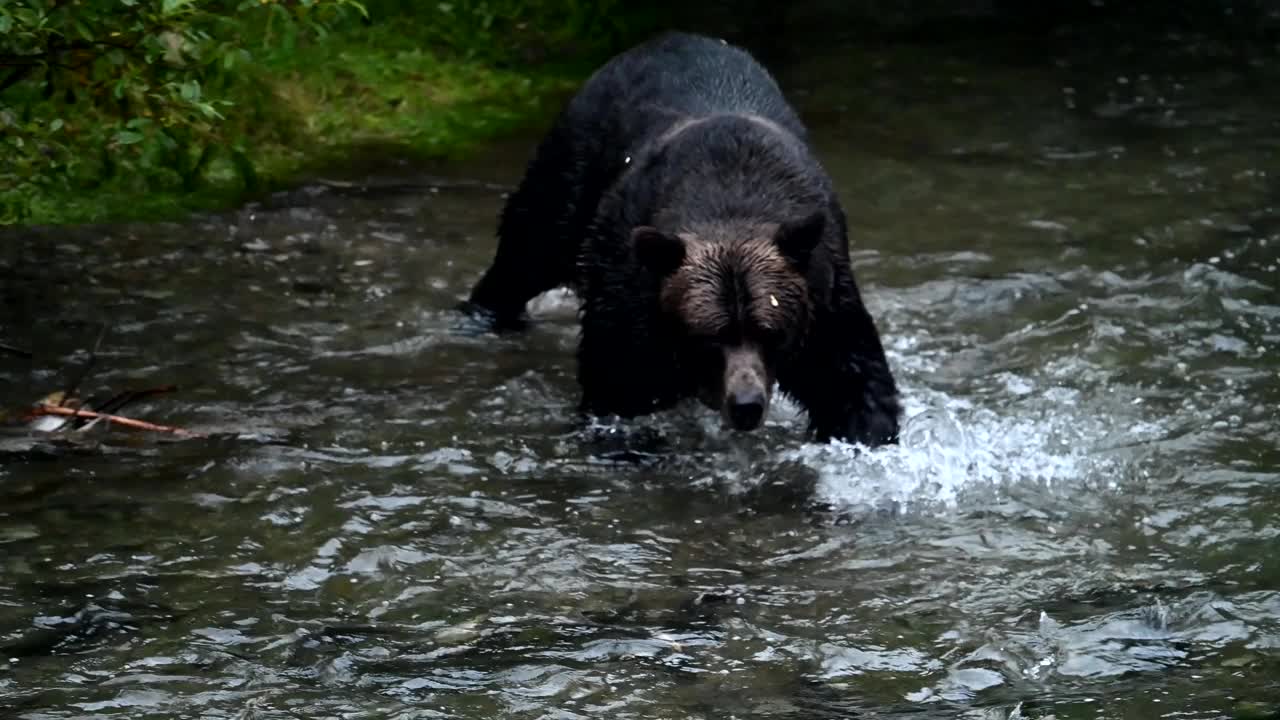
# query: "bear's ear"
{"type": "Point", "coordinates": [659, 251]}
{"type": "Point", "coordinates": [796, 239]}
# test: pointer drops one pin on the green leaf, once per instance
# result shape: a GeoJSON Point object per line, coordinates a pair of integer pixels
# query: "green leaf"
{"type": "Point", "coordinates": [170, 7]}
{"type": "Point", "coordinates": [55, 125]}
{"type": "Point", "coordinates": [190, 91]}
{"type": "Point", "coordinates": [28, 17]}
{"type": "Point", "coordinates": [210, 111]}
{"type": "Point", "coordinates": [169, 142]}
{"type": "Point", "coordinates": [128, 137]}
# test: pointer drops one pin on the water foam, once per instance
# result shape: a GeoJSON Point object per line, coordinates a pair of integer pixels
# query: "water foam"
{"type": "Point", "coordinates": [1027, 432]}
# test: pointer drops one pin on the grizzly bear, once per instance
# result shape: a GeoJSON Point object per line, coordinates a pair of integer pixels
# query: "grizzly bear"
{"type": "Point", "coordinates": [677, 195]}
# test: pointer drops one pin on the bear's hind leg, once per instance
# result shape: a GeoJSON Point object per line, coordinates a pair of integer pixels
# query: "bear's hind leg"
{"type": "Point", "coordinates": [527, 263]}
{"type": "Point", "coordinates": [537, 243]}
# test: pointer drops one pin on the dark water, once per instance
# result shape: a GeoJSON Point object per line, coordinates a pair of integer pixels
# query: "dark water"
{"type": "Point", "coordinates": [1071, 245]}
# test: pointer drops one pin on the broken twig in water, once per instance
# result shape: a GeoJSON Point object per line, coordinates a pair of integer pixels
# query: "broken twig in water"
{"type": "Point", "coordinates": [16, 351]}
{"type": "Point", "coordinates": [44, 409]}
{"type": "Point", "coordinates": [114, 405]}
{"type": "Point", "coordinates": [69, 394]}
{"type": "Point", "coordinates": [117, 402]}
{"type": "Point", "coordinates": [88, 367]}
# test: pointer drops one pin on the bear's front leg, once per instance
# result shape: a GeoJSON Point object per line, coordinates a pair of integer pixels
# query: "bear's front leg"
{"type": "Point", "coordinates": [621, 369]}
{"type": "Point", "coordinates": [843, 382]}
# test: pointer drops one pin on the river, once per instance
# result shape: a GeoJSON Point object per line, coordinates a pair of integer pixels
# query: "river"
{"type": "Point", "coordinates": [1070, 241]}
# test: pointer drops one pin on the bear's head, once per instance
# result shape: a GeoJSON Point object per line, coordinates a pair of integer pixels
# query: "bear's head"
{"type": "Point", "coordinates": [737, 301]}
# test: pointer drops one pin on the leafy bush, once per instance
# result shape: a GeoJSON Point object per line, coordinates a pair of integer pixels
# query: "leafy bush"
{"type": "Point", "coordinates": [507, 31]}
{"type": "Point", "coordinates": [136, 108]}
{"type": "Point", "coordinates": [99, 88]}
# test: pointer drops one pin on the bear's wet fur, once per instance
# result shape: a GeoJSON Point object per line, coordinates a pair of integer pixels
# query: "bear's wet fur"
{"type": "Point", "coordinates": [678, 196]}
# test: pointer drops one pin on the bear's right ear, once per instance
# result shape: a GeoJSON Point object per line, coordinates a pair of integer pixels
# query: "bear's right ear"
{"type": "Point", "coordinates": [659, 251]}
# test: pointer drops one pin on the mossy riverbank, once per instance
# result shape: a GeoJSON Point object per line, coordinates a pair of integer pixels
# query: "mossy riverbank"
{"type": "Point", "coordinates": [403, 84]}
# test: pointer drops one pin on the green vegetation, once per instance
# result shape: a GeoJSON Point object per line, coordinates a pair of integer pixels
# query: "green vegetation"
{"type": "Point", "coordinates": [142, 109]}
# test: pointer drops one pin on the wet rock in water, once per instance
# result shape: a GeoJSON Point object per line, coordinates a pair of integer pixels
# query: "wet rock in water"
{"type": "Point", "coordinates": [1248, 710]}
{"type": "Point", "coordinates": [460, 633]}
{"type": "Point", "coordinates": [311, 286]}
{"type": "Point", "coordinates": [1239, 661]}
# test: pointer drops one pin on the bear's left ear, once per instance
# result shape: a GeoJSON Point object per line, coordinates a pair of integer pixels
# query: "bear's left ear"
{"type": "Point", "coordinates": [660, 252]}
{"type": "Point", "coordinates": [796, 239]}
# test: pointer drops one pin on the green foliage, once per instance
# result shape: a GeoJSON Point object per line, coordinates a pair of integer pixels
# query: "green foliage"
{"type": "Point", "coordinates": [95, 90]}
{"type": "Point", "coordinates": [133, 108]}
{"type": "Point", "coordinates": [509, 31]}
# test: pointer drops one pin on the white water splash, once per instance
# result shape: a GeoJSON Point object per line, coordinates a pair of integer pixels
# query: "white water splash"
{"type": "Point", "coordinates": [1041, 436]}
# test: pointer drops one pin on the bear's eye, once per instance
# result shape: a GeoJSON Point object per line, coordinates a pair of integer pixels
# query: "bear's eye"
{"type": "Point", "coordinates": [707, 351]}
{"type": "Point", "coordinates": [768, 335]}
{"type": "Point", "coordinates": [712, 342]}
{"type": "Point", "coordinates": [707, 335]}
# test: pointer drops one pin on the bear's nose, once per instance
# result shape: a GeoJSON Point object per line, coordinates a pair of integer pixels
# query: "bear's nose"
{"type": "Point", "coordinates": [746, 409]}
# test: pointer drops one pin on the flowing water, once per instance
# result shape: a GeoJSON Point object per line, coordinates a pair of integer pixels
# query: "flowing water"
{"type": "Point", "coordinates": [1070, 243]}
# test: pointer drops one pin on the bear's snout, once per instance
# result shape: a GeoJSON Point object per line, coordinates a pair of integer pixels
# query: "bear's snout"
{"type": "Point", "coordinates": [746, 409]}
{"type": "Point", "coordinates": [746, 388]}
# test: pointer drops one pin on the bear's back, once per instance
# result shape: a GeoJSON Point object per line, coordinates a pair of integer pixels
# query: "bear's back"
{"type": "Point", "coordinates": [675, 76]}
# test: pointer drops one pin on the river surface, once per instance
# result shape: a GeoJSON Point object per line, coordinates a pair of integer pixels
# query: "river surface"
{"type": "Point", "coordinates": [1070, 243]}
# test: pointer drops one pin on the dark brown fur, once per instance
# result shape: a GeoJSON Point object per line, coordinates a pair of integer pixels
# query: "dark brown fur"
{"type": "Point", "coordinates": [741, 303]}
{"type": "Point", "coordinates": [678, 194]}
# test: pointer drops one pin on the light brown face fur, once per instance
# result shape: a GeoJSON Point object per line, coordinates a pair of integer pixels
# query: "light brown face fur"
{"type": "Point", "coordinates": [742, 306]}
